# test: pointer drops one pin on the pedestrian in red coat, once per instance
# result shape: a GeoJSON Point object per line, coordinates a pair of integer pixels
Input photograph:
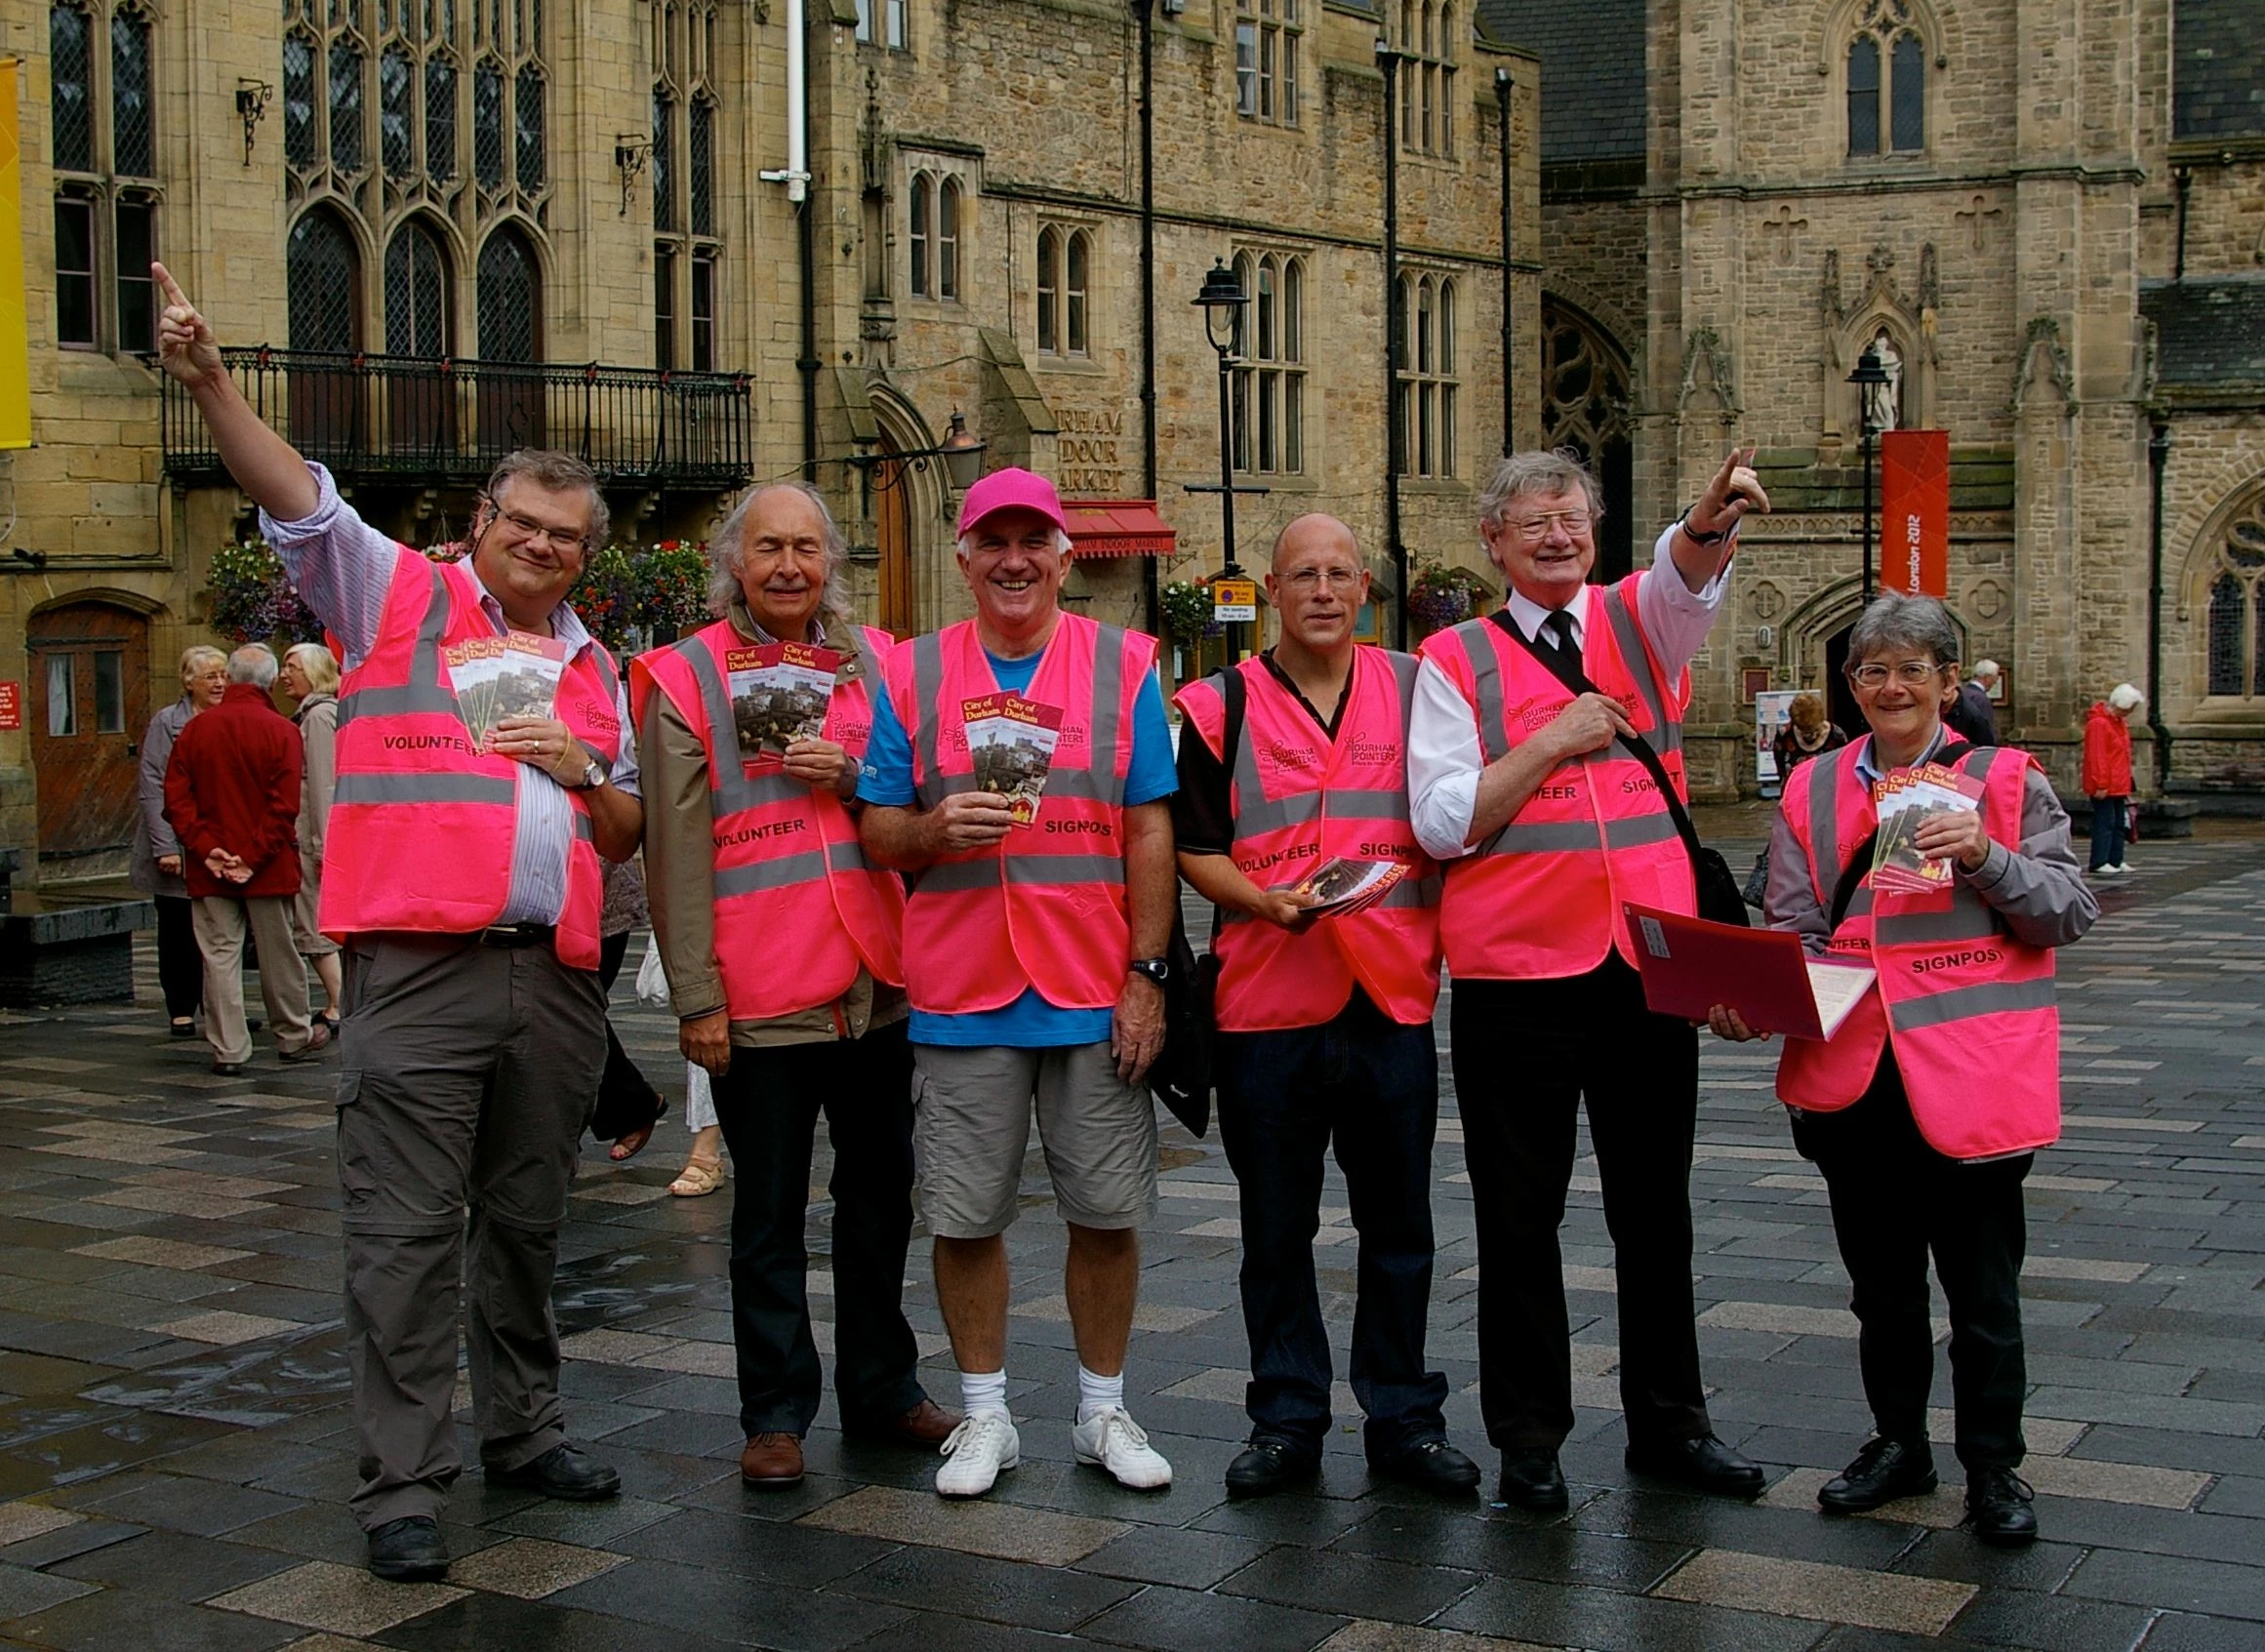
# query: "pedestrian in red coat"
{"type": "Point", "coordinates": [2108, 775]}
{"type": "Point", "coordinates": [231, 797]}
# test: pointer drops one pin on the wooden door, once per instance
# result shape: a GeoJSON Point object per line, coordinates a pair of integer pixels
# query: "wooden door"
{"type": "Point", "coordinates": [892, 521]}
{"type": "Point", "coordinates": [90, 703]}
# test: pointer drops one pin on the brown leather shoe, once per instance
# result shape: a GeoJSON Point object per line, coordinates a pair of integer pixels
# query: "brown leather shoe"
{"type": "Point", "coordinates": [926, 1423]}
{"type": "Point", "coordinates": [772, 1462]}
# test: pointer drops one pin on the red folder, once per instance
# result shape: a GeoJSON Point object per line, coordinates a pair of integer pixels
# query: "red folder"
{"type": "Point", "coordinates": [1766, 975]}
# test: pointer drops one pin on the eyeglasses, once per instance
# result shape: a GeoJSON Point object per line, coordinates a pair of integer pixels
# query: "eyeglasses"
{"type": "Point", "coordinates": [1911, 673]}
{"type": "Point", "coordinates": [527, 528]}
{"type": "Point", "coordinates": [1307, 581]}
{"type": "Point", "coordinates": [1532, 530]}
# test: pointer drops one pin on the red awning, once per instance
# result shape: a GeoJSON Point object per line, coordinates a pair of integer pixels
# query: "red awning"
{"type": "Point", "coordinates": [1118, 527]}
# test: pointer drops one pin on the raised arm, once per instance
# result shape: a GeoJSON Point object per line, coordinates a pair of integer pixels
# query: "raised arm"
{"type": "Point", "coordinates": [264, 465]}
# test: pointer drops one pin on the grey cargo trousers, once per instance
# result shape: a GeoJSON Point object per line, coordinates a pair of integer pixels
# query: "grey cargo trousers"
{"type": "Point", "coordinates": [467, 1074]}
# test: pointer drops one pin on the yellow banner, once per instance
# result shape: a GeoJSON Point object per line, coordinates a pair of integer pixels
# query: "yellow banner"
{"type": "Point", "coordinates": [15, 355]}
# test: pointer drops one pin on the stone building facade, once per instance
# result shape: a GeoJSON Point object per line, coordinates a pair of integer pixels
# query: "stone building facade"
{"type": "Point", "coordinates": [2052, 214]}
{"type": "Point", "coordinates": [463, 224]}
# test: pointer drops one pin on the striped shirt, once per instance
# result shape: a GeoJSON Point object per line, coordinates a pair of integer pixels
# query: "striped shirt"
{"type": "Point", "coordinates": [342, 569]}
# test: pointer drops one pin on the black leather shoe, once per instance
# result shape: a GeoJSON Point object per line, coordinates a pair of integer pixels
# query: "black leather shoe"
{"type": "Point", "coordinates": [563, 1472]}
{"type": "Point", "coordinates": [1268, 1465]}
{"type": "Point", "coordinates": [1533, 1480]}
{"type": "Point", "coordinates": [2000, 1507]}
{"type": "Point", "coordinates": [1883, 1472]}
{"type": "Point", "coordinates": [410, 1549]}
{"type": "Point", "coordinates": [1704, 1463]}
{"type": "Point", "coordinates": [1431, 1465]}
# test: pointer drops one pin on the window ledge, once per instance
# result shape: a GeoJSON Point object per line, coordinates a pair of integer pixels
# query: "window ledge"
{"type": "Point", "coordinates": [1440, 487]}
{"type": "Point", "coordinates": [1039, 361]}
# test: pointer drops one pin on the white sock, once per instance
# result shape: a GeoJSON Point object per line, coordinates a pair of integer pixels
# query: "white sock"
{"type": "Point", "coordinates": [984, 1390]}
{"type": "Point", "coordinates": [1096, 1394]}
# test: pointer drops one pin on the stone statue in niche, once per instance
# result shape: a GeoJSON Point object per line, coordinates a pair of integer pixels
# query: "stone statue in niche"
{"type": "Point", "coordinates": [1883, 403]}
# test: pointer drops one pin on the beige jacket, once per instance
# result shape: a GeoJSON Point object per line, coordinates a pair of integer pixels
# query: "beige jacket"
{"type": "Point", "coordinates": [680, 886]}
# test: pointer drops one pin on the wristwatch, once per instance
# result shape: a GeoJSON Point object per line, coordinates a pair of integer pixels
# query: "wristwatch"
{"type": "Point", "coordinates": [1716, 538]}
{"type": "Point", "coordinates": [1158, 970]}
{"type": "Point", "coordinates": [594, 775]}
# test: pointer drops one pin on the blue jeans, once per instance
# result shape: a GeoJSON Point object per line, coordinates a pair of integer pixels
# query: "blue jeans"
{"type": "Point", "coordinates": [1372, 1087]}
{"type": "Point", "coordinates": [2108, 831]}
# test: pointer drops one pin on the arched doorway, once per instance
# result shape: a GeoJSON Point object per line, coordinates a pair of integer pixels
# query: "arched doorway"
{"type": "Point", "coordinates": [1841, 699]}
{"type": "Point", "coordinates": [90, 703]}
{"type": "Point", "coordinates": [892, 507]}
{"type": "Point", "coordinates": [1585, 403]}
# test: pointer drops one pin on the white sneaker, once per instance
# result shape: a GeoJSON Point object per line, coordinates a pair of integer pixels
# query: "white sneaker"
{"type": "Point", "coordinates": [1111, 1439]}
{"type": "Point", "coordinates": [2123, 868]}
{"type": "Point", "coordinates": [2102, 871]}
{"type": "Point", "coordinates": [976, 1452]}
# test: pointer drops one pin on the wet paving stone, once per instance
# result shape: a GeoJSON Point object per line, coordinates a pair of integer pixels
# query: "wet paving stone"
{"type": "Point", "coordinates": [176, 1446]}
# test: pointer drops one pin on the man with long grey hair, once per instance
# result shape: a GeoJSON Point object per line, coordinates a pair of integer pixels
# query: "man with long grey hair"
{"type": "Point", "coordinates": [781, 948]}
{"type": "Point", "coordinates": [1542, 741]}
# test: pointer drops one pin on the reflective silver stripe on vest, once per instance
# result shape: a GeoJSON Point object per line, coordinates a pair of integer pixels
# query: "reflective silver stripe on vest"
{"type": "Point", "coordinates": [583, 828]}
{"type": "Point", "coordinates": [1101, 743]}
{"type": "Point", "coordinates": [1557, 838]}
{"type": "Point", "coordinates": [956, 876]}
{"type": "Point", "coordinates": [778, 872]}
{"type": "Point", "coordinates": [1667, 732]}
{"type": "Point", "coordinates": [927, 700]}
{"type": "Point", "coordinates": [427, 690]}
{"type": "Point", "coordinates": [1969, 918]}
{"type": "Point", "coordinates": [1486, 680]}
{"type": "Point", "coordinates": [359, 788]}
{"type": "Point", "coordinates": [1963, 1003]}
{"type": "Point", "coordinates": [847, 857]}
{"type": "Point", "coordinates": [1266, 813]}
{"type": "Point", "coordinates": [1826, 856]}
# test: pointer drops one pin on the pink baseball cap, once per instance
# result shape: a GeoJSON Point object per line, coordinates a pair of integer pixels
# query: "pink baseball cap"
{"type": "Point", "coordinates": [1011, 489]}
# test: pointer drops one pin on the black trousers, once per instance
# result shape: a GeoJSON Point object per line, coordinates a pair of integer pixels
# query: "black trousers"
{"type": "Point", "coordinates": [1894, 1201]}
{"type": "Point", "coordinates": [1527, 1054]}
{"type": "Point", "coordinates": [180, 966]}
{"type": "Point", "coordinates": [627, 1101]}
{"type": "Point", "coordinates": [768, 1103]}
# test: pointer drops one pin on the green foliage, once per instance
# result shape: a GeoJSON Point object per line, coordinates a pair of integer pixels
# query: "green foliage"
{"type": "Point", "coordinates": [250, 600]}
{"type": "Point", "coordinates": [1183, 609]}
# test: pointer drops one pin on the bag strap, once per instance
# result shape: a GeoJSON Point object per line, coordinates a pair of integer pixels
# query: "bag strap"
{"type": "Point", "coordinates": [1860, 863]}
{"type": "Point", "coordinates": [1568, 670]}
{"type": "Point", "coordinates": [1234, 696]}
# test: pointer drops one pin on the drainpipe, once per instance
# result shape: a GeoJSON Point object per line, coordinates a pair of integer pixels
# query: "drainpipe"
{"type": "Point", "coordinates": [2158, 460]}
{"type": "Point", "coordinates": [1388, 60]}
{"type": "Point", "coordinates": [795, 176]}
{"type": "Point", "coordinates": [1149, 591]}
{"type": "Point", "coordinates": [1502, 83]}
{"type": "Point", "coordinates": [2184, 175]}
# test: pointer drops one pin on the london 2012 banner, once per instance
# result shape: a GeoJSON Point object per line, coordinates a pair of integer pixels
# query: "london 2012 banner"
{"type": "Point", "coordinates": [1915, 515]}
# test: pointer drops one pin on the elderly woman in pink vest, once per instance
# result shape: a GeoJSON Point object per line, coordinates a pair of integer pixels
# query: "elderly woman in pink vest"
{"type": "Point", "coordinates": [1926, 1107]}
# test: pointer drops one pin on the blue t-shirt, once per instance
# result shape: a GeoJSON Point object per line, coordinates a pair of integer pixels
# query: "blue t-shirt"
{"type": "Point", "coordinates": [1030, 1023]}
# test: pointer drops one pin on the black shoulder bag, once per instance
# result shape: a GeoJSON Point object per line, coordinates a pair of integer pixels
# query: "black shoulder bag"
{"type": "Point", "coordinates": [1182, 1074]}
{"type": "Point", "coordinates": [1720, 901]}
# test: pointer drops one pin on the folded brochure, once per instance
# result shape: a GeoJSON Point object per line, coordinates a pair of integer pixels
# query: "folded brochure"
{"type": "Point", "coordinates": [1340, 887]}
{"type": "Point", "coordinates": [1012, 742]}
{"type": "Point", "coordinates": [1767, 976]}
{"type": "Point", "coordinates": [1904, 800]}
{"type": "Point", "coordinates": [513, 675]}
{"type": "Point", "coordinates": [780, 691]}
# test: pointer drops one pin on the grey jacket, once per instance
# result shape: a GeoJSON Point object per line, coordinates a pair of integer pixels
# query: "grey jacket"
{"type": "Point", "coordinates": [317, 718]}
{"type": "Point", "coordinates": [152, 835]}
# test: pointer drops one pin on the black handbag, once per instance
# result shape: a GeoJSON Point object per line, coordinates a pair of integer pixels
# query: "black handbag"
{"type": "Point", "coordinates": [1719, 900]}
{"type": "Point", "coordinates": [1181, 1075]}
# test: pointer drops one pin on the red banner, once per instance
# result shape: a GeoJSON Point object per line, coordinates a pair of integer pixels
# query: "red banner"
{"type": "Point", "coordinates": [1915, 512]}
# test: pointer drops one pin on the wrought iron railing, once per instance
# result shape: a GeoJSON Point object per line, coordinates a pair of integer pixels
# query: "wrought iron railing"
{"type": "Point", "coordinates": [413, 418]}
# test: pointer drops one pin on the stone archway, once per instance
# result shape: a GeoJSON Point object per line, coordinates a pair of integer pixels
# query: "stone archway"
{"type": "Point", "coordinates": [905, 502]}
{"type": "Point", "coordinates": [1813, 649]}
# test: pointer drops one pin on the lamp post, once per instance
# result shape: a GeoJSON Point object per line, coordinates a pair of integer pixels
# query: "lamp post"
{"type": "Point", "coordinates": [1869, 376]}
{"type": "Point", "coordinates": [1222, 302]}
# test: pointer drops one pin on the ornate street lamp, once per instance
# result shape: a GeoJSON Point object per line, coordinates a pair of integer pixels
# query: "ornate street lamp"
{"type": "Point", "coordinates": [1222, 302]}
{"type": "Point", "coordinates": [1869, 376]}
{"type": "Point", "coordinates": [961, 450]}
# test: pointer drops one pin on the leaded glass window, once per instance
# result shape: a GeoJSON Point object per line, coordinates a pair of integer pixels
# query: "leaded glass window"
{"type": "Point", "coordinates": [415, 294]}
{"type": "Point", "coordinates": [440, 120]}
{"type": "Point", "coordinates": [397, 117]}
{"type": "Point", "coordinates": [488, 124]}
{"type": "Point", "coordinates": [686, 279]}
{"type": "Point", "coordinates": [345, 104]}
{"type": "Point", "coordinates": [947, 239]}
{"type": "Point", "coordinates": [663, 162]}
{"type": "Point", "coordinates": [527, 130]}
{"type": "Point", "coordinates": [1886, 80]}
{"type": "Point", "coordinates": [1269, 386]}
{"type": "Point", "coordinates": [2237, 609]}
{"type": "Point", "coordinates": [1907, 97]}
{"type": "Point", "coordinates": [509, 299]}
{"type": "Point", "coordinates": [299, 147]}
{"type": "Point", "coordinates": [1863, 95]}
{"type": "Point", "coordinates": [701, 177]}
{"type": "Point", "coordinates": [2229, 613]}
{"type": "Point", "coordinates": [71, 57]}
{"type": "Point", "coordinates": [322, 284]}
{"type": "Point", "coordinates": [133, 137]}
{"type": "Point", "coordinates": [1049, 291]}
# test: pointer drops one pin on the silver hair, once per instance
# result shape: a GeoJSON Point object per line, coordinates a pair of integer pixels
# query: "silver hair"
{"type": "Point", "coordinates": [255, 664]}
{"type": "Point", "coordinates": [195, 659]}
{"type": "Point", "coordinates": [1987, 671]}
{"type": "Point", "coordinates": [1538, 470]}
{"type": "Point", "coordinates": [723, 554]}
{"type": "Point", "coordinates": [1064, 545]}
{"type": "Point", "coordinates": [1895, 621]}
{"type": "Point", "coordinates": [2122, 697]}
{"type": "Point", "coordinates": [319, 663]}
{"type": "Point", "coordinates": [554, 472]}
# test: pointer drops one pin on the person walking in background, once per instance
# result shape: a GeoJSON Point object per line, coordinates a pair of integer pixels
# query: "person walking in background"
{"type": "Point", "coordinates": [310, 676]}
{"type": "Point", "coordinates": [231, 793]}
{"type": "Point", "coordinates": [1972, 715]}
{"type": "Point", "coordinates": [2108, 776]}
{"type": "Point", "coordinates": [629, 1106]}
{"type": "Point", "coordinates": [783, 949]}
{"type": "Point", "coordinates": [1808, 732]}
{"type": "Point", "coordinates": [157, 864]}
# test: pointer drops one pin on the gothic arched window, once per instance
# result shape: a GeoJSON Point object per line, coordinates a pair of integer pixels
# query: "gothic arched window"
{"type": "Point", "coordinates": [1270, 381]}
{"type": "Point", "coordinates": [686, 114]}
{"type": "Point", "coordinates": [947, 239]}
{"type": "Point", "coordinates": [511, 298]}
{"type": "Point", "coordinates": [417, 303]}
{"type": "Point", "coordinates": [2237, 609]}
{"type": "Point", "coordinates": [104, 142]}
{"type": "Point", "coordinates": [1584, 406]}
{"type": "Point", "coordinates": [1076, 257]}
{"type": "Point", "coordinates": [1049, 291]}
{"type": "Point", "coordinates": [1886, 81]}
{"type": "Point", "coordinates": [922, 212]}
{"type": "Point", "coordinates": [323, 285]}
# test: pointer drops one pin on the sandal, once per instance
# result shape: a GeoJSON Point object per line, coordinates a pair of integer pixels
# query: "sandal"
{"type": "Point", "coordinates": [626, 1147]}
{"type": "Point", "coordinates": [699, 1177]}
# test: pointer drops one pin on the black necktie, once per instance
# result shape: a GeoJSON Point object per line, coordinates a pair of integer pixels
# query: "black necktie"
{"type": "Point", "coordinates": [1557, 633]}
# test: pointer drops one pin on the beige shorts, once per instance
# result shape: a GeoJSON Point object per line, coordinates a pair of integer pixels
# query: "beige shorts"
{"type": "Point", "coordinates": [971, 1126]}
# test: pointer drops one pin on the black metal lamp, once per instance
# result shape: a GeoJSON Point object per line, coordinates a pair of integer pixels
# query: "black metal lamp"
{"type": "Point", "coordinates": [1870, 375]}
{"type": "Point", "coordinates": [1222, 302]}
{"type": "Point", "coordinates": [962, 451]}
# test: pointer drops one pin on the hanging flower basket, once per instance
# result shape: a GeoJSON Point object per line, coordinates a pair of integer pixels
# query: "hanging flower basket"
{"type": "Point", "coordinates": [250, 600]}
{"type": "Point", "coordinates": [1185, 609]}
{"type": "Point", "coordinates": [1441, 596]}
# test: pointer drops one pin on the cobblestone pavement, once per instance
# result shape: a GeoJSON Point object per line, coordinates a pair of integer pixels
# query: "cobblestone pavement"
{"type": "Point", "coordinates": [174, 1440]}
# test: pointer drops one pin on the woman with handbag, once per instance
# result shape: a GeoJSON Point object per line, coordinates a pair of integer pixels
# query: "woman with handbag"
{"type": "Point", "coordinates": [1924, 1108]}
